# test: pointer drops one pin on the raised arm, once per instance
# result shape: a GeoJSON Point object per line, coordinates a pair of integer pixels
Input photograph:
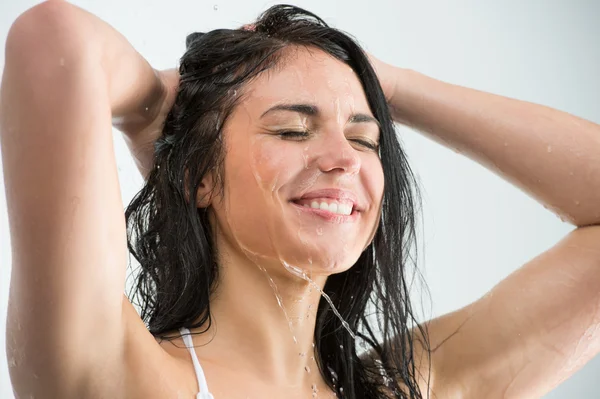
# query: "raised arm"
{"type": "Point", "coordinates": [67, 74]}
{"type": "Point", "coordinates": [541, 324]}
{"type": "Point", "coordinates": [551, 155]}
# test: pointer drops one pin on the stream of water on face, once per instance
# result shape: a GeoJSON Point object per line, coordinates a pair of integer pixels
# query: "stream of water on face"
{"type": "Point", "coordinates": [296, 271]}
{"type": "Point", "coordinates": [249, 255]}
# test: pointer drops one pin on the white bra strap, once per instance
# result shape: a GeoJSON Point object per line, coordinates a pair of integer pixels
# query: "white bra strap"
{"type": "Point", "coordinates": [187, 339]}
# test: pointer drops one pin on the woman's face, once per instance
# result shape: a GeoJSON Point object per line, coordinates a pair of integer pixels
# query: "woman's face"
{"type": "Point", "coordinates": [303, 181]}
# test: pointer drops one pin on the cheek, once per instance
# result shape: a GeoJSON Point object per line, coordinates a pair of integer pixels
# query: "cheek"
{"type": "Point", "coordinates": [373, 180]}
{"type": "Point", "coordinates": [269, 163]}
{"type": "Point", "coordinates": [254, 174]}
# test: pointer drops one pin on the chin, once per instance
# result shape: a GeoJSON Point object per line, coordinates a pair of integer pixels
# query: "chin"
{"type": "Point", "coordinates": [331, 269]}
{"type": "Point", "coordinates": [324, 264]}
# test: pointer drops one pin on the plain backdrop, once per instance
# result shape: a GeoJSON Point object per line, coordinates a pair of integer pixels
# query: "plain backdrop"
{"type": "Point", "coordinates": [476, 228]}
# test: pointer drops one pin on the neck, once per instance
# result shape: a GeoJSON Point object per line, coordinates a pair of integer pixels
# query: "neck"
{"type": "Point", "coordinates": [264, 321]}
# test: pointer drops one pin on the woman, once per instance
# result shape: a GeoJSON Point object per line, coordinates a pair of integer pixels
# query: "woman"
{"type": "Point", "coordinates": [272, 172]}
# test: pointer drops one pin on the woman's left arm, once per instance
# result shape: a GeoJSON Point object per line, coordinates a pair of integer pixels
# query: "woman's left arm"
{"type": "Point", "coordinates": [551, 155]}
{"type": "Point", "coordinates": [540, 324]}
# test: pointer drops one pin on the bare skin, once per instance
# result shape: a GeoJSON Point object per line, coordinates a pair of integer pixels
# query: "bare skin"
{"type": "Point", "coordinates": [84, 338]}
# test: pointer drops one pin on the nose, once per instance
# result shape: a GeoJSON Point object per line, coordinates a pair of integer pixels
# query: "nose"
{"type": "Point", "coordinates": [338, 155]}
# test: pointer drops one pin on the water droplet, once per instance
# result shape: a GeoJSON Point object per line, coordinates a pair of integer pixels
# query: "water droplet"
{"type": "Point", "coordinates": [342, 347]}
{"type": "Point", "coordinates": [549, 148]}
{"type": "Point", "coordinates": [307, 369]}
{"type": "Point", "coordinates": [576, 202]}
{"type": "Point", "coordinates": [315, 390]}
{"type": "Point", "coordinates": [319, 231]}
{"type": "Point", "coordinates": [302, 354]}
{"type": "Point", "coordinates": [334, 376]}
{"type": "Point", "coordinates": [146, 109]}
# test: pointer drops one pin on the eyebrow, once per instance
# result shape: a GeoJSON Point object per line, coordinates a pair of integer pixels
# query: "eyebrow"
{"type": "Point", "coordinates": [313, 110]}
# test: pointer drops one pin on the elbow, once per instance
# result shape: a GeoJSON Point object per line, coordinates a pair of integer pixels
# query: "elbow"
{"type": "Point", "coordinates": [48, 29]}
{"type": "Point", "coordinates": [580, 215]}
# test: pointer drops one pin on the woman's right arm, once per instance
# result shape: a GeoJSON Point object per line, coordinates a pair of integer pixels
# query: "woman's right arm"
{"type": "Point", "coordinates": [67, 75]}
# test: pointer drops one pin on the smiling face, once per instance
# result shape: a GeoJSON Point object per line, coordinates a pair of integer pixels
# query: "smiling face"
{"type": "Point", "coordinates": [303, 180]}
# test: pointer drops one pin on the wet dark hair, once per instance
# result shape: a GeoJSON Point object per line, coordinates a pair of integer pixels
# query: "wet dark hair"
{"type": "Point", "coordinates": [172, 239]}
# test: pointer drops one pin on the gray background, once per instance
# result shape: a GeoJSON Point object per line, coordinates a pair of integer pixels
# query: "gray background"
{"type": "Point", "coordinates": [476, 228]}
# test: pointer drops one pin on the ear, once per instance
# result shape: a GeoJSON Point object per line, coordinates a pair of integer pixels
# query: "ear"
{"type": "Point", "coordinates": [204, 194]}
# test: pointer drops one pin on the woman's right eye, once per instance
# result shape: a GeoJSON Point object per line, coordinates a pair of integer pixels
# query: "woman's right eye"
{"type": "Point", "coordinates": [293, 134]}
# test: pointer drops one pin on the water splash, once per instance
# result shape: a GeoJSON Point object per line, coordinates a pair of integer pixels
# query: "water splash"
{"type": "Point", "coordinates": [279, 300]}
{"type": "Point", "coordinates": [302, 274]}
{"type": "Point", "coordinates": [272, 284]}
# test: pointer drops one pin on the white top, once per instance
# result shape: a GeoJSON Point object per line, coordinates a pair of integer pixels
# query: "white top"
{"type": "Point", "coordinates": [202, 385]}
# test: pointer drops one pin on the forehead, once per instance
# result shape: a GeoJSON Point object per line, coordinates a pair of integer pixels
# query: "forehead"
{"type": "Point", "coordinates": [309, 76]}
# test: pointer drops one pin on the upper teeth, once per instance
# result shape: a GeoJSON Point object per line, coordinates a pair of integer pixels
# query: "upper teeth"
{"type": "Point", "coordinates": [334, 207]}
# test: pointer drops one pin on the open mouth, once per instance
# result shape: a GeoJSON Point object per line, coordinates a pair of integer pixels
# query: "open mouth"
{"type": "Point", "coordinates": [327, 207]}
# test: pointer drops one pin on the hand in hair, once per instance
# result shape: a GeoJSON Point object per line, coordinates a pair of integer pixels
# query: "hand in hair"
{"type": "Point", "coordinates": [386, 74]}
{"type": "Point", "coordinates": [141, 137]}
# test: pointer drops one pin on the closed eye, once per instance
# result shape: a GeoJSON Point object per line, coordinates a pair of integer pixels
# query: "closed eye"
{"type": "Point", "coordinates": [302, 134]}
{"type": "Point", "coordinates": [293, 134]}
{"type": "Point", "coordinates": [366, 144]}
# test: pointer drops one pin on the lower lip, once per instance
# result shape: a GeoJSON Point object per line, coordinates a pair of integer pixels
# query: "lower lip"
{"type": "Point", "coordinates": [328, 216]}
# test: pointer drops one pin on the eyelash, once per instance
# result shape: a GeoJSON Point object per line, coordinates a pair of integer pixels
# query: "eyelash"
{"type": "Point", "coordinates": [304, 134]}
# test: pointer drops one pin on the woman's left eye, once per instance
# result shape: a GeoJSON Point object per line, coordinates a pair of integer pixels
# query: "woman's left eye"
{"type": "Point", "coordinates": [366, 144]}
